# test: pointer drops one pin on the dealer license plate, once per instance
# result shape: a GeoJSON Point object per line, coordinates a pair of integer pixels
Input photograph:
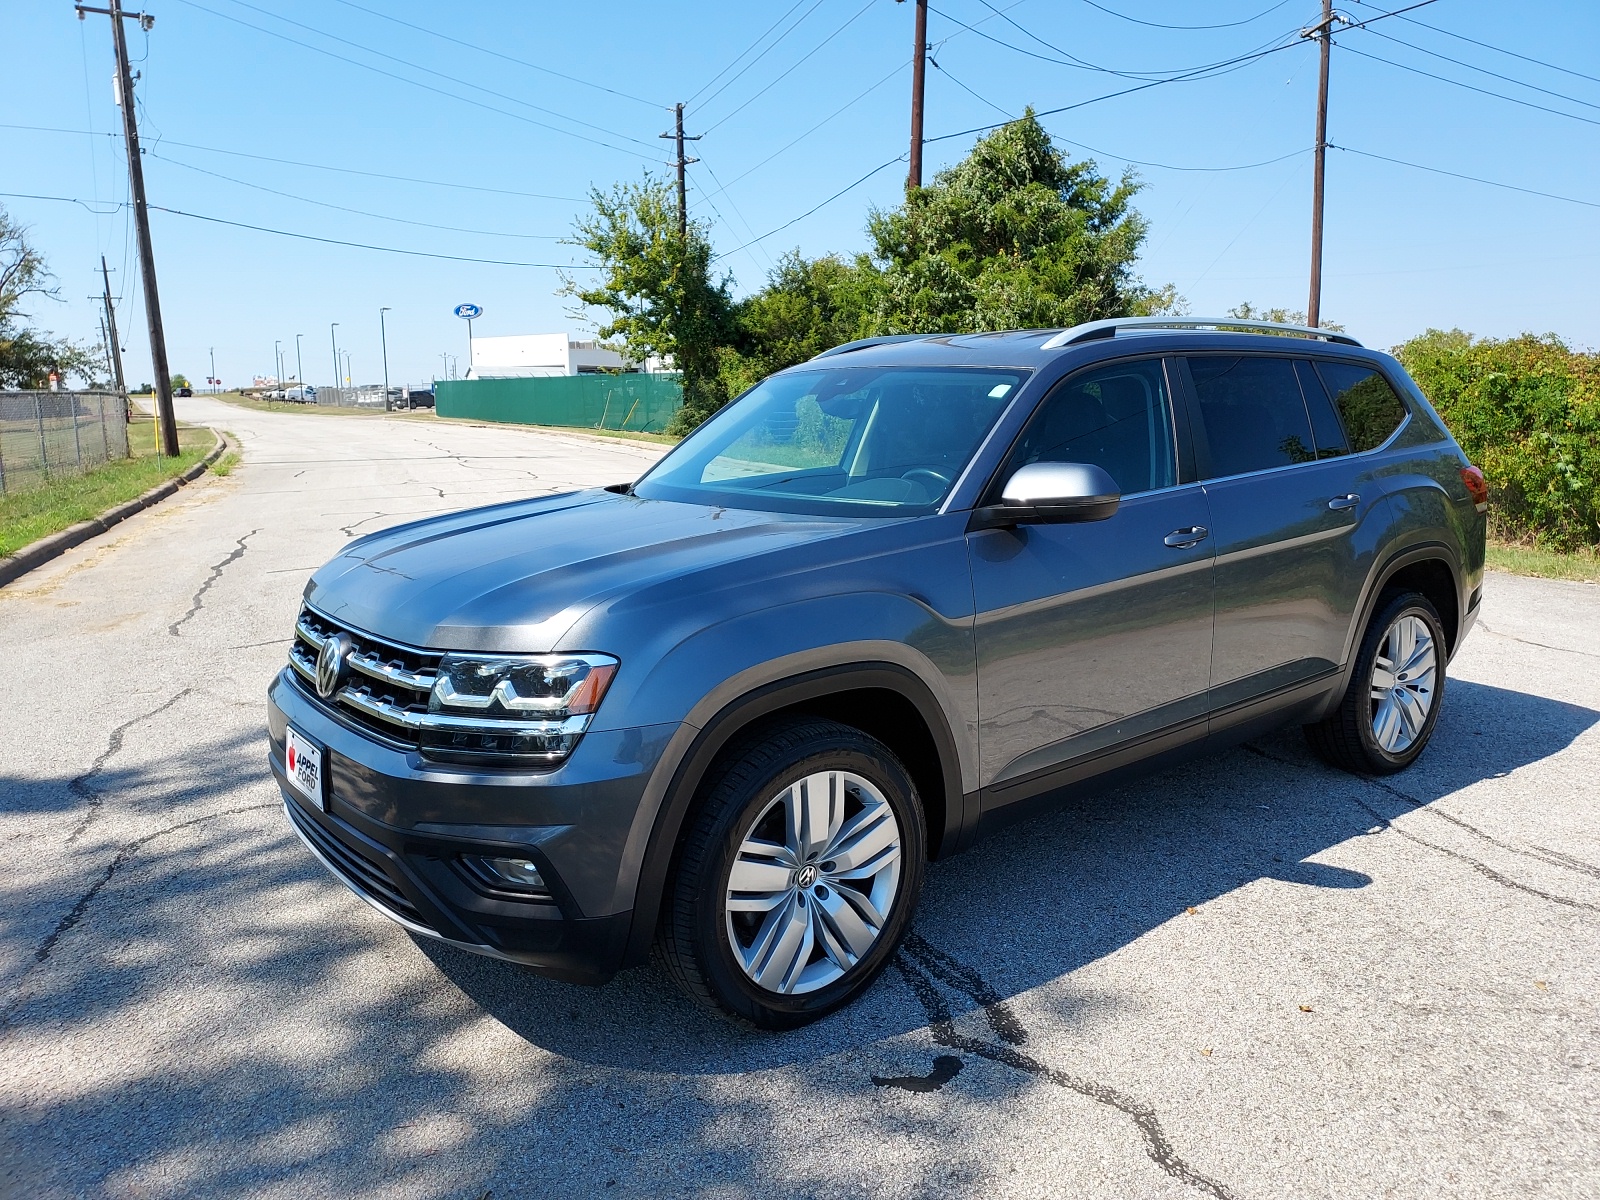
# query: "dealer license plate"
{"type": "Point", "coordinates": [303, 761]}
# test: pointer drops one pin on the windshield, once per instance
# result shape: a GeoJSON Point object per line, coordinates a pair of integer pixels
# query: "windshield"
{"type": "Point", "coordinates": [862, 441]}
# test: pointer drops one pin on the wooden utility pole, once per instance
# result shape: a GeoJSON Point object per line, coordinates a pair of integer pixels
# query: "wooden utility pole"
{"type": "Point", "coordinates": [141, 218]}
{"type": "Point", "coordinates": [111, 327]}
{"type": "Point", "coordinates": [919, 69]}
{"type": "Point", "coordinates": [1324, 33]}
{"type": "Point", "coordinates": [682, 163]}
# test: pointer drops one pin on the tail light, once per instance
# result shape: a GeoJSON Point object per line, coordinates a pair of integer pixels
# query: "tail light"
{"type": "Point", "coordinates": [1476, 487]}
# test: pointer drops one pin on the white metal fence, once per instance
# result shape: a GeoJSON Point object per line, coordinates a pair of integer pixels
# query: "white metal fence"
{"type": "Point", "coordinates": [48, 434]}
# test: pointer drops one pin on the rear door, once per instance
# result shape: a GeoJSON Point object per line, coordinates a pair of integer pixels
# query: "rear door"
{"type": "Point", "coordinates": [1093, 635]}
{"type": "Point", "coordinates": [1295, 519]}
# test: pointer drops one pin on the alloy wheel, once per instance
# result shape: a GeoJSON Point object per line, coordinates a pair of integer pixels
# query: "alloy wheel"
{"type": "Point", "coordinates": [813, 883]}
{"type": "Point", "coordinates": [1402, 684]}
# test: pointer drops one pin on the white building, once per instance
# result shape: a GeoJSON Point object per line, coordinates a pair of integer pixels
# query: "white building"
{"type": "Point", "coordinates": [531, 355]}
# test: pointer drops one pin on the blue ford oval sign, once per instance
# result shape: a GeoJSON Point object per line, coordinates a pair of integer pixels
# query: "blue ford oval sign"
{"type": "Point", "coordinates": [468, 312]}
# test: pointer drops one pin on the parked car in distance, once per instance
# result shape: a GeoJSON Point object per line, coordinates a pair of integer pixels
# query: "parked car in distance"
{"type": "Point", "coordinates": [421, 398]}
{"type": "Point", "coordinates": [882, 604]}
{"type": "Point", "coordinates": [302, 395]}
{"type": "Point", "coordinates": [183, 391]}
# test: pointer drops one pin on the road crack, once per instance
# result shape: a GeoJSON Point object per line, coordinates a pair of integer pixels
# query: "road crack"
{"type": "Point", "coordinates": [216, 573]}
{"type": "Point", "coordinates": [80, 907]}
{"type": "Point", "coordinates": [1482, 868]}
{"type": "Point", "coordinates": [923, 967]}
{"type": "Point", "coordinates": [83, 787]}
{"type": "Point", "coordinates": [1511, 637]}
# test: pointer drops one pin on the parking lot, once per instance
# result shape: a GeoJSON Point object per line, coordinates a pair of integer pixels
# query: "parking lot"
{"type": "Point", "coordinates": [1247, 977]}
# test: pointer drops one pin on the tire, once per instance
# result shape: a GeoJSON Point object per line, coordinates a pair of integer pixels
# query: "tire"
{"type": "Point", "coordinates": [799, 940]}
{"type": "Point", "coordinates": [1378, 730]}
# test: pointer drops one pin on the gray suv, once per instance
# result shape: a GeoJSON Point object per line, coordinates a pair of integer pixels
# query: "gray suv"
{"type": "Point", "coordinates": [883, 603]}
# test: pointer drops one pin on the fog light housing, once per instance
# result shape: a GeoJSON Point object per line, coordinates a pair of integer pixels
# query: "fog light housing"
{"type": "Point", "coordinates": [519, 875]}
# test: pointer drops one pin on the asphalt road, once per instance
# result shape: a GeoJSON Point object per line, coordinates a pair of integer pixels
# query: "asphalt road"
{"type": "Point", "coordinates": [1249, 977]}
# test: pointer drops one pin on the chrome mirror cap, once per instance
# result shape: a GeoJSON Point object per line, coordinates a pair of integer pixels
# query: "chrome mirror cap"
{"type": "Point", "coordinates": [1052, 494]}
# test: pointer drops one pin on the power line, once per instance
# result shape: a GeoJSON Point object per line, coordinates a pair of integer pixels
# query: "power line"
{"type": "Point", "coordinates": [419, 84]}
{"type": "Point", "coordinates": [770, 47]}
{"type": "Point", "coordinates": [740, 56]}
{"type": "Point", "coordinates": [304, 237]}
{"type": "Point", "coordinates": [521, 62]}
{"type": "Point", "coordinates": [780, 78]}
{"type": "Point", "coordinates": [814, 208]}
{"type": "Point", "coordinates": [1159, 25]}
{"type": "Point", "coordinates": [1538, 62]}
{"type": "Point", "coordinates": [1472, 87]}
{"type": "Point", "coordinates": [1481, 70]}
{"type": "Point", "coordinates": [549, 237]}
{"type": "Point", "coordinates": [291, 162]}
{"type": "Point", "coordinates": [1510, 187]}
{"type": "Point", "coordinates": [981, 99]}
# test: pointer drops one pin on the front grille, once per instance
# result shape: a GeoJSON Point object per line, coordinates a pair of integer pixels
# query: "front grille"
{"type": "Point", "coordinates": [361, 872]}
{"type": "Point", "coordinates": [386, 686]}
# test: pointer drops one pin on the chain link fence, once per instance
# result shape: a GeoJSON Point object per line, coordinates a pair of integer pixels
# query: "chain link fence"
{"type": "Point", "coordinates": [44, 435]}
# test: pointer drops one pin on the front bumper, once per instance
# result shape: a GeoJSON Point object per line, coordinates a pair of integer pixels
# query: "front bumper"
{"type": "Point", "coordinates": [397, 825]}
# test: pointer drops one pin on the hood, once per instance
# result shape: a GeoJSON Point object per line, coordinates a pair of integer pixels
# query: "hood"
{"type": "Point", "coordinates": [515, 577]}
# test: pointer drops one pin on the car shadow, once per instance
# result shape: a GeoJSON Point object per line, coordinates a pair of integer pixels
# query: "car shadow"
{"type": "Point", "coordinates": [1040, 899]}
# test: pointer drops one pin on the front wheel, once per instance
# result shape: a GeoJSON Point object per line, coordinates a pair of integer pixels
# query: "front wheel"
{"type": "Point", "coordinates": [1392, 704]}
{"type": "Point", "coordinates": [797, 878]}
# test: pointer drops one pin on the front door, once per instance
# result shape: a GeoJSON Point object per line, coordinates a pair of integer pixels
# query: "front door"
{"type": "Point", "coordinates": [1092, 635]}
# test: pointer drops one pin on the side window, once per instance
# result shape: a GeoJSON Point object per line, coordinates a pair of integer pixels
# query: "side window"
{"type": "Point", "coordinates": [1117, 418]}
{"type": "Point", "coordinates": [1254, 415]}
{"type": "Point", "coordinates": [1369, 406]}
{"type": "Point", "coordinates": [1331, 441]}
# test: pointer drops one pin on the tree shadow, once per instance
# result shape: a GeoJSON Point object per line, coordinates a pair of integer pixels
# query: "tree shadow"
{"type": "Point", "coordinates": [223, 1019]}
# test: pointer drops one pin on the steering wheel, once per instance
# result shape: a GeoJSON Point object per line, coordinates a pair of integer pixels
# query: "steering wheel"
{"type": "Point", "coordinates": [941, 483]}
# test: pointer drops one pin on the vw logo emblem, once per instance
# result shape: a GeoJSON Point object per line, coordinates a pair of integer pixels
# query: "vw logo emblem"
{"type": "Point", "coordinates": [806, 876]}
{"type": "Point", "coordinates": [330, 665]}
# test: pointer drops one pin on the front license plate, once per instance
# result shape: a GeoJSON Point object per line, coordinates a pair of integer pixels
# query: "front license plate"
{"type": "Point", "coordinates": [303, 763]}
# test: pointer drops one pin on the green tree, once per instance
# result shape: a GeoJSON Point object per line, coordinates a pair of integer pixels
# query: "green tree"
{"type": "Point", "coordinates": [28, 355]}
{"type": "Point", "coordinates": [1280, 316]}
{"type": "Point", "coordinates": [658, 289]}
{"type": "Point", "coordinates": [1014, 236]}
{"type": "Point", "coordinates": [179, 381]}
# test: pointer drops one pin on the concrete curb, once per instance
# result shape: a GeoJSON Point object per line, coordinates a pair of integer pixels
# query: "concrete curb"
{"type": "Point", "coordinates": [38, 553]}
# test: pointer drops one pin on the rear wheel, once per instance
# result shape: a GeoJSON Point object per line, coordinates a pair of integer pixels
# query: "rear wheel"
{"type": "Point", "coordinates": [1389, 710]}
{"type": "Point", "coordinates": [797, 878]}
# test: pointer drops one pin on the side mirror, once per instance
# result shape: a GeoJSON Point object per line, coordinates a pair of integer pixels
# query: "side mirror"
{"type": "Point", "coordinates": [1051, 494]}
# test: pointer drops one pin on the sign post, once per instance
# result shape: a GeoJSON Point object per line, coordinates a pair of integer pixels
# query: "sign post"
{"type": "Point", "coordinates": [467, 312]}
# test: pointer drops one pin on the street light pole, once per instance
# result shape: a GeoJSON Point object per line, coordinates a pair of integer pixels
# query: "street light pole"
{"type": "Point", "coordinates": [383, 333]}
{"type": "Point", "coordinates": [299, 371]}
{"type": "Point", "coordinates": [277, 361]}
{"type": "Point", "coordinates": [214, 386]}
{"type": "Point", "coordinates": [334, 338]}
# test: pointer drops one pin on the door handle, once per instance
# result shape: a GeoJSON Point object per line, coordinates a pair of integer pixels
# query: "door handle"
{"type": "Point", "coordinates": [1182, 539]}
{"type": "Point", "coordinates": [1340, 503]}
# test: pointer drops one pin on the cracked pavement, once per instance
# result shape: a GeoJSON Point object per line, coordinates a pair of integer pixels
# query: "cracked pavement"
{"type": "Point", "coordinates": [1250, 976]}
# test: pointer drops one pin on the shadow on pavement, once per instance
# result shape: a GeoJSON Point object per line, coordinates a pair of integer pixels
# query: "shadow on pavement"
{"type": "Point", "coordinates": [221, 1019]}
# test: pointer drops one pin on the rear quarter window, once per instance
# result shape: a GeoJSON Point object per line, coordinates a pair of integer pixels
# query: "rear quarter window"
{"type": "Point", "coordinates": [1368, 406]}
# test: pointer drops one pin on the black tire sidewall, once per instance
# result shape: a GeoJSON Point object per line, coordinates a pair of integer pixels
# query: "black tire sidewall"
{"type": "Point", "coordinates": [1404, 604]}
{"type": "Point", "coordinates": [849, 751]}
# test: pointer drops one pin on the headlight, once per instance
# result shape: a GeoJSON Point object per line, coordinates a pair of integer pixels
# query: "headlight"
{"type": "Point", "coordinates": [509, 709]}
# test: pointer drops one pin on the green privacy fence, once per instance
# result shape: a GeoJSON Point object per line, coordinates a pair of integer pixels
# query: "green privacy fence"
{"type": "Point", "coordinates": [641, 403]}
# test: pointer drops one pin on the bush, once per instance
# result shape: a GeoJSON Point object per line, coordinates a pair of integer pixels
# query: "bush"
{"type": "Point", "coordinates": [1526, 410]}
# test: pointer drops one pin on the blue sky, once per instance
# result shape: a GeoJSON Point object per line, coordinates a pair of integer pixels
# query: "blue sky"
{"type": "Point", "coordinates": [1406, 249]}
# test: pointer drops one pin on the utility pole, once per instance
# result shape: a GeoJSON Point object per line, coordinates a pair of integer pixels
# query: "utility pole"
{"type": "Point", "coordinates": [299, 371]}
{"type": "Point", "coordinates": [334, 338]}
{"type": "Point", "coordinates": [277, 361]}
{"type": "Point", "coordinates": [111, 327]}
{"type": "Point", "coordinates": [105, 340]}
{"type": "Point", "coordinates": [215, 387]}
{"type": "Point", "coordinates": [1323, 32]}
{"type": "Point", "coordinates": [919, 68]}
{"type": "Point", "coordinates": [682, 163]}
{"type": "Point", "coordinates": [141, 218]}
{"type": "Point", "coordinates": [383, 333]}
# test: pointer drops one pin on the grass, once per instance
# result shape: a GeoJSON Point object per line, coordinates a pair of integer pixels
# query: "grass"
{"type": "Point", "coordinates": [27, 516]}
{"type": "Point", "coordinates": [1516, 559]}
{"type": "Point", "coordinates": [291, 406]}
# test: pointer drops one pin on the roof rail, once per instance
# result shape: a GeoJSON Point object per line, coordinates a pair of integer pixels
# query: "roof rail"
{"type": "Point", "coordinates": [864, 343]}
{"type": "Point", "coordinates": [1105, 329]}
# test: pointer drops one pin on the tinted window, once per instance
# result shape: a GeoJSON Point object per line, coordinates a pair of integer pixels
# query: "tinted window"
{"type": "Point", "coordinates": [1116, 418]}
{"type": "Point", "coordinates": [869, 441]}
{"type": "Point", "coordinates": [1371, 410]}
{"type": "Point", "coordinates": [1324, 421]}
{"type": "Point", "coordinates": [1254, 416]}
